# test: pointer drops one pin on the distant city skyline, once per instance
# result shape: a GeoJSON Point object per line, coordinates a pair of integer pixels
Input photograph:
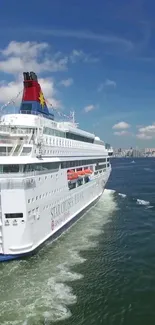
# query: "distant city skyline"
{"type": "Point", "coordinates": [134, 152]}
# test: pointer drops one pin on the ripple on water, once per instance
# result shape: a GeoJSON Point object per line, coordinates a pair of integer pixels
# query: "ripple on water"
{"type": "Point", "coordinates": [37, 290]}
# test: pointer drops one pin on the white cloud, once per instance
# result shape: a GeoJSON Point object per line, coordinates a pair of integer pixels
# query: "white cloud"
{"type": "Point", "coordinates": [121, 125]}
{"type": "Point", "coordinates": [146, 132]}
{"type": "Point", "coordinates": [143, 136]}
{"type": "Point", "coordinates": [24, 48]}
{"type": "Point", "coordinates": [29, 56]}
{"type": "Point", "coordinates": [20, 56]}
{"type": "Point", "coordinates": [112, 41]}
{"type": "Point", "coordinates": [110, 83]}
{"type": "Point", "coordinates": [107, 84]}
{"type": "Point", "coordinates": [67, 82]}
{"type": "Point", "coordinates": [34, 56]}
{"type": "Point", "coordinates": [121, 133]}
{"type": "Point", "coordinates": [79, 55]}
{"type": "Point", "coordinates": [89, 108]}
{"type": "Point", "coordinates": [49, 91]}
{"type": "Point", "coordinates": [11, 89]}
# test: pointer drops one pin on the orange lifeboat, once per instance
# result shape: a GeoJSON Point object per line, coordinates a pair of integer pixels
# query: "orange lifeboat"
{"type": "Point", "coordinates": [81, 172]}
{"type": "Point", "coordinates": [88, 171]}
{"type": "Point", "coordinates": [71, 175]}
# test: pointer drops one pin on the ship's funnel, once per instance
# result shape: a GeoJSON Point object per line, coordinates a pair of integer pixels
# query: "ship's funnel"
{"type": "Point", "coordinates": [33, 101]}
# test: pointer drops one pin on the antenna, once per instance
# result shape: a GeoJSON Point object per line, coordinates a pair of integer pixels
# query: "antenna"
{"type": "Point", "coordinates": [72, 115]}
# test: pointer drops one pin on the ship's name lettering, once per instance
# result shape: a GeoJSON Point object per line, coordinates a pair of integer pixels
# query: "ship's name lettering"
{"type": "Point", "coordinates": [61, 219]}
{"type": "Point", "coordinates": [64, 207]}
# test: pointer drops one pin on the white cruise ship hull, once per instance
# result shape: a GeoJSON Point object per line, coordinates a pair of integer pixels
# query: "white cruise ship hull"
{"type": "Point", "coordinates": [51, 172]}
{"type": "Point", "coordinates": [51, 217]}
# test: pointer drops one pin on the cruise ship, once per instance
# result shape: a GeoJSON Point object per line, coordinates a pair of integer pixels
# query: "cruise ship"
{"type": "Point", "coordinates": [51, 172]}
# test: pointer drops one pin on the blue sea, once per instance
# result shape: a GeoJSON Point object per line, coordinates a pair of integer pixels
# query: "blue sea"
{"type": "Point", "coordinates": [101, 271]}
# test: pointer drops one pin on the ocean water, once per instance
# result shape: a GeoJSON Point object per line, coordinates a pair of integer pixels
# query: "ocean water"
{"type": "Point", "coordinates": [101, 271]}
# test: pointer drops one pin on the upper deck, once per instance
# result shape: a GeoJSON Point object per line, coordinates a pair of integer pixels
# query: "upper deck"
{"type": "Point", "coordinates": [34, 132]}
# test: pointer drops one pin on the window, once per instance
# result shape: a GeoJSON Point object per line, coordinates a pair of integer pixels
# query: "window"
{"type": "Point", "coordinates": [78, 137]}
{"type": "Point", "coordinates": [76, 163]}
{"type": "Point", "coordinates": [9, 168]}
{"type": "Point", "coordinates": [4, 150]}
{"type": "Point", "coordinates": [41, 167]}
{"type": "Point", "coordinates": [54, 132]}
{"type": "Point", "coordinates": [26, 107]}
{"type": "Point", "coordinates": [97, 167]}
{"type": "Point", "coordinates": [26, 150]}
{"type": "Point", "coordinates": [13, 215]}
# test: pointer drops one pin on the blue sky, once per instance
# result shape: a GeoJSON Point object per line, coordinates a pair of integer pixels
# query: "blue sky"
{"type": "Point", "coordinates": [96, 57]}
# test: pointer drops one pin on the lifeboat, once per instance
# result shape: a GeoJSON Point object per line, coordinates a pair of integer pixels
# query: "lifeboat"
{"type": "Point", "coordinates": [81, 172]}
{"type": "Point", "coordinates": [88, 171]}
{"type": "Point", "coordinates": [71, 175]}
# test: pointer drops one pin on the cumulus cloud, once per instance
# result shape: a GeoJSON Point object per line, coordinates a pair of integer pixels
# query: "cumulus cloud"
{"type": "Point", "coordinates": [121, 133]}
{"type": "Point", "coordinates": [146, 132]}
{"type": "Point", "coordinates": [89, 108]}
{"type": "Point", "coordinates": [29, 56]}
{"type": "Point", "coordinates": [144, 136]}
{"type": "Point", "coordinates": [67, 82]}
{"type": "Point", "coordinates": [121, 125]}
{"type": "Point", "coordinates": [20, 56]}
{"type": "Point", "coordinates": [9, 90]}
{"type": "Point", "coordinates": [17, 57]}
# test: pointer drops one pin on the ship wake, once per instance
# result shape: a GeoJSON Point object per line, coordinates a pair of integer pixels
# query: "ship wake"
{"type": "Point", "coordinates": [38, 290]}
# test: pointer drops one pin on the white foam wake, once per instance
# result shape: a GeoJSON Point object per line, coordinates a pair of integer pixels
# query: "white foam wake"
{"type": "Point", "coordinates": [142, 202]}
{"type": "Point", "coordinates": [37, 290]}
{"type": "Point", "coordinates": [122, 195]}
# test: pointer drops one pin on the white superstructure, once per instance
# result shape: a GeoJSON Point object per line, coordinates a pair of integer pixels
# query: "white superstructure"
{"type": "Point", "coordinates": [49, 173]}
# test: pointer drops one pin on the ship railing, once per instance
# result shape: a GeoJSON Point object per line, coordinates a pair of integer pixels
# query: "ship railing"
{"type": "Point", "coordinates": [13, 141]}
{"type": "Point", "coordinates": [22, 180]}
{"type": "Point", "coordinates": [15, 130]}
{"type": "Point", "coordinates": [22, 112]}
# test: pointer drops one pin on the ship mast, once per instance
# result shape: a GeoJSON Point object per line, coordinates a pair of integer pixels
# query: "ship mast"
{"type": "Point", "coordinates": [72, 114]}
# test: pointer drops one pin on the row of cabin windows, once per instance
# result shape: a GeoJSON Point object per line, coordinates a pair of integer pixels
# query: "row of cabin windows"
{"type": "Point", "coordinates": [29, 167]}
{"type": "Point", "coordinates": [67, 135]}
{"type": "Point", "coordinates": [75, 163]}
{"type": "Point", "coordinates": [78, 137]}
{"type": "Point", "coordinates": [54, 132]}
{"type": "Point", "coordinates": [12, 168]}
